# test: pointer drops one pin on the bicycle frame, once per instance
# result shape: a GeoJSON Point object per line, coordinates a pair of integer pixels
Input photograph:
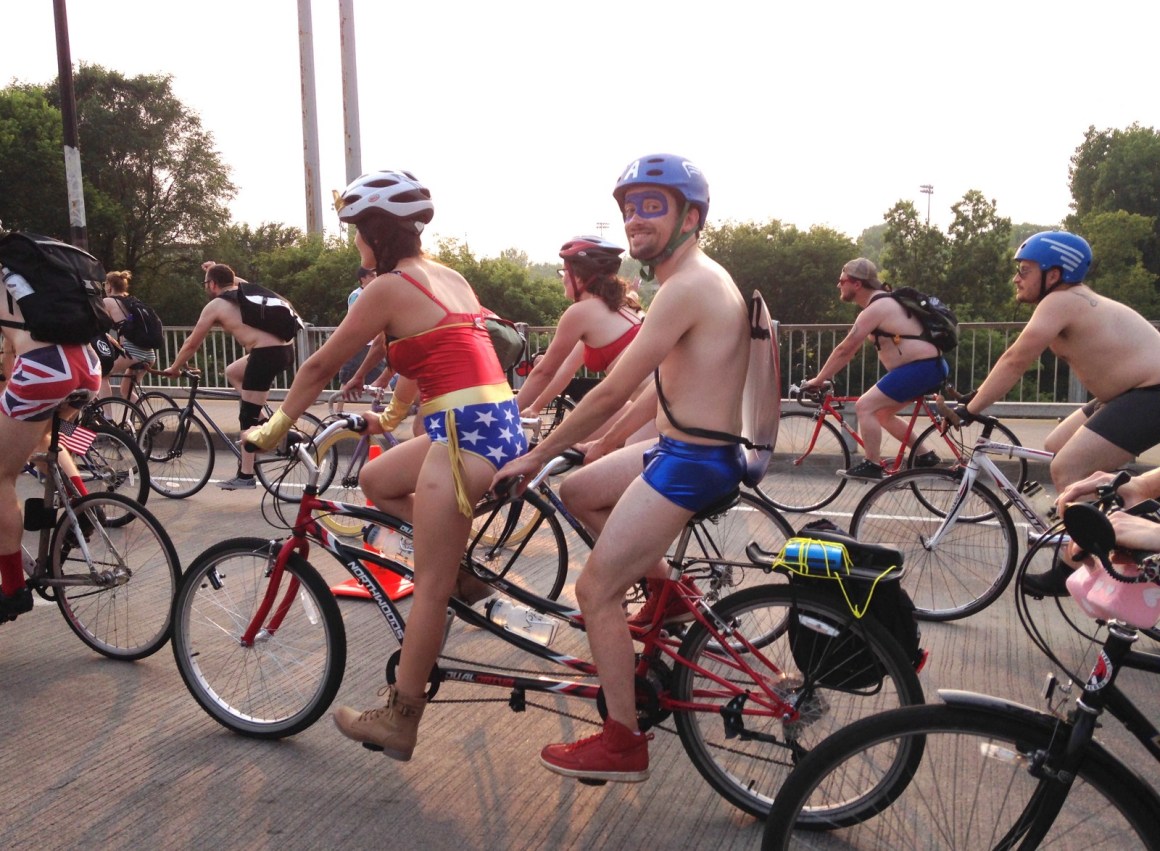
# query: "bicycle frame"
{"type": "Point", "coordinates": [831, 406]}
{"type": "Point", "coordinates": [978, 461]}
{"type": "Point", "coordinates": [752, 667]}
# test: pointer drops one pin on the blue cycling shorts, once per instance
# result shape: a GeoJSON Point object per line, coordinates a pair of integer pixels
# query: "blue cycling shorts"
{"type": "Point", "coordinates": [914, 379]}
{"type": "Point", "coordinates": [693, 475]}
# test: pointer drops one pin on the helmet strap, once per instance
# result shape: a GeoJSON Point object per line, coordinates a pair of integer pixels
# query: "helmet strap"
{"type": "Point", "coordinates": [648, 268]}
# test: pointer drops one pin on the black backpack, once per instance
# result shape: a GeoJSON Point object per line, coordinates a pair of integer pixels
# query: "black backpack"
{"type": "Point", "coordinates": [939, 323]}
{"type": "Point", "coordinates": [266, 310]}
{"type": "Point", "coordinates": [849, 664]}
{"type": "Point", "coordinates": [141, 326]}
{"type": "Point", "coordinates": [58, 287]}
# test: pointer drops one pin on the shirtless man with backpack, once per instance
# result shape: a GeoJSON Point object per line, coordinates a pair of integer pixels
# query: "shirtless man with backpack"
{"type": "Point", "coordinates": [268, 355]}
{"type": "Point", "coordinates": [914, 364]}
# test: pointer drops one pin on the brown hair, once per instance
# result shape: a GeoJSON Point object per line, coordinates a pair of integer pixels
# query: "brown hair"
{"type": "Point", "coordinates": [220, 274]}
{"type": "Point", "coordinates": [389, 240]}
{"type": "Point", "coordinates": [613, 290]}
{"type": "Point", "coordinates": [118, 282]}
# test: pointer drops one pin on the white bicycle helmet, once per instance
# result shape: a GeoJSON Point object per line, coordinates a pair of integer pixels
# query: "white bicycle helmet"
{"type": "Point", "coordinates": [397, 193]}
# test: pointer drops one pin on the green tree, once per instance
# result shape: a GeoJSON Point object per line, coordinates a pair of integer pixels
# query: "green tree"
{"type": "Point", "coordinates": [1118, 271]}
{"type": "Point", "coordinates": [916, 253]}
{"type": "Point", "coordinates": [1119, 170]}
{"type": "Point", "coordinates": [152, 179]}
{"type": "Point", "coordinates": [506, 284]}
{"type": "Point", "coordinates": [152, 176]}
{"type": "Point", "coordinates": [794, 270]}
{"type": "Point", "coordinates": [34, 197]}
{"type": "Point", "coordinates": [978, 260]}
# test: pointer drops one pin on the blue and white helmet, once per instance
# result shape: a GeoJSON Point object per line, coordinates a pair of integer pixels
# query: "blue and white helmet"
{"type": "Point", "coordinates": [1058, 248]}
{"type": "Point", "coordinates": [399, 194]}
{"type": "Point", "coordinates": [669, 170]}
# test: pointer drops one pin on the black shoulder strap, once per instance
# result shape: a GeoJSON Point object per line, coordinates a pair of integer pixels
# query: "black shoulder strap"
{"type": "Point", "coordinates": [709, 434]}
{"type": "Point", "coordinates": [878, 332]}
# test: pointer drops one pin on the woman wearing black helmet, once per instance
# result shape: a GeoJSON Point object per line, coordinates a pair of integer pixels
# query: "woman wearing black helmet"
{"type": "Point", "coordinates": [604, 318]}
{"type": "Point", "coordinates": [438, 339]}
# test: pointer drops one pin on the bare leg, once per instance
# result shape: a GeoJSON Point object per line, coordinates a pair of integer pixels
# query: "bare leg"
{"type": "Point", "coordinates": [634, 540]}
{"type": "Point", "coordinates": [875, 411]}
{"type": "Point", "coordinates": [1063, 432]}
{"type": "Point", "coordinates": [1083, 454]}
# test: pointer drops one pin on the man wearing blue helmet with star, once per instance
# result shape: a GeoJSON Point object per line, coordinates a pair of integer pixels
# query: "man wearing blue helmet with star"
{"type": "Point", "coordinates": [695, 341]}
{"type": "Point", "coordinates": [1112, 349]}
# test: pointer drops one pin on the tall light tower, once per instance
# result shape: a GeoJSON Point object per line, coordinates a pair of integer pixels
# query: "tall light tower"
{"type": "Point", "coordinates": [601, 227]}
{"type": "Point", "coordinates": [927, 190]}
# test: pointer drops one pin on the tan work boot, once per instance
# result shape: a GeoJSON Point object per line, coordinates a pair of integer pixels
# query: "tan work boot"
{"type": "Point", "coordinates": [392, 728]}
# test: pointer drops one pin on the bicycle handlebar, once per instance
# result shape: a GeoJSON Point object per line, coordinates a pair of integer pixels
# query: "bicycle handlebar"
{"type": "Point", "coordinates": [811, 397]}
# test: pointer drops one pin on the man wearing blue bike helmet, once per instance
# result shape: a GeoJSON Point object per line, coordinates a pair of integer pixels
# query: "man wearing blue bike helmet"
{"type": "Point", "coordinates": [696, 342]}
{"type": "Point", "coordinates": [1112, 349]}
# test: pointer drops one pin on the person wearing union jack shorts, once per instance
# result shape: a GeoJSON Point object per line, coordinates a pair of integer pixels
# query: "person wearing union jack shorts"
{"type": "Point", "coordinates": [41, 376]}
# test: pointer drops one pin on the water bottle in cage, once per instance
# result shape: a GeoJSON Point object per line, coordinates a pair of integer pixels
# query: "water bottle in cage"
{"type": "Point", "coordinates": [522, 621]}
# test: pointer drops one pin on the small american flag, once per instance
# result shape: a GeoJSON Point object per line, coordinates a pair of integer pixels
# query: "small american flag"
{"type": "Point", "coordinates": [76, 439]}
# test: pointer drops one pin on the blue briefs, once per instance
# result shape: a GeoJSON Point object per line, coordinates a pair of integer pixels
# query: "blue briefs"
{"type": "Point", "coordinates": [693, 475]}
{"type": "Point", "coordinates": [490, 430]}
{"type": "Point", "coordinates": [914, 379]}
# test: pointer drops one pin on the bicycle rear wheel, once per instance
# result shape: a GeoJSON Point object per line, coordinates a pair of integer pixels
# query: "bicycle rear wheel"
{"type": "Point", "coordinates": [179, 451]}
{"type": "Point", "coordinates": [973, 562]}
{"type": "Point", "coordinates": [153, 401]}
{"type": "Point", "coordinates": [279, 470]}
{"type": "Point", "coordinates": [715, 555]}
{"type": "Point", "coordinates": [803, 473]}
{"type": "Point", "coordinates": [554, 413]}
{"type": "Point", "coordinates": [830, 685]}
{"type": "Point", "coordinates": [1014, 469]}
{"type": "Point", "coordinates": [535, 559]}
{"type": "Point", "coordinates": [975, 779]}
{"type": "Point", "coordinates": [130, 573]}
{"type": "Point", "coordinates": [114, 464]}
{"type": "Point", "coordinates": [287, 678]}
{"type": "Point", "coordinates": [113, 411]}
{"type": "Point", "coordinates": [350, 452]}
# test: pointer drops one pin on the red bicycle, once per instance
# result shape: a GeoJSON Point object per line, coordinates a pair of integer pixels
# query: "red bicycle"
{"type": "Point", "coordinates": [753, 682]}
{"type": "Point", "coordinates": [811, 449]}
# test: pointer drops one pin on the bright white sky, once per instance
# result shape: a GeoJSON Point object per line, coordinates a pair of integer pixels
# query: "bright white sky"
{"type": "Point", "coordinates": [519, 116]}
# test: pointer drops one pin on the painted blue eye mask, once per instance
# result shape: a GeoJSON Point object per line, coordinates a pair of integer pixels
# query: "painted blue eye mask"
{"type": "Point", "coordinates": [646, 204]}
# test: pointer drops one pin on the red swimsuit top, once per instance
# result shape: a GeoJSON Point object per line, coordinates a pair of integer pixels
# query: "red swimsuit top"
{"type": "Point", "coordinates": [455, 354]}
{"type": "Point", "coordinates": [599, 359]}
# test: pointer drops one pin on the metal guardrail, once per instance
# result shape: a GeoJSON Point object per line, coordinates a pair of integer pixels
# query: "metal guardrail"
{"type": "Point", "coordinates": [1047, 390]}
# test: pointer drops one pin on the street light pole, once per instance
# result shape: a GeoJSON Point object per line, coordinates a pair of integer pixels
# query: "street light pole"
{"type": "Point", "coordinates": [928, 190]}
{"type": "Point", "coordinates": [78, 227]}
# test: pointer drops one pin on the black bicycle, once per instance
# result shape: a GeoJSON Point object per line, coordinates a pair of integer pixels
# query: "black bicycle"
{"type": "Point", "coordinates": [180, 450]}
{"type": "Point", "coordinates": [982, 772]}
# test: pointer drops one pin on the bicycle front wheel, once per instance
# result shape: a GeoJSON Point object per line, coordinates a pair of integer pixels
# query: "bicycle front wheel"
{"type": "Point", "coordinates": [803, 473]}
{"type": "Point", "coordinates": [125, 577]}
{"type": "Point", "coordinates": [284, 680]}
{"type": "Point", "coordinates": [114, 464]}
{"type": "Point", "coordinates": [532, 553]}
{"type": "Point", "coordinates": [974, 559]}
{"type": "Point", "coordinates": [975, 785]}
{"type": "Point", "coordinates": [814, 654]}
{"type": "Point", "coordinates": [715, 555]}
{"type": "Point", "coordinates": [279, 470]}
{"type": "Point", "coordinates": [179, 451]}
